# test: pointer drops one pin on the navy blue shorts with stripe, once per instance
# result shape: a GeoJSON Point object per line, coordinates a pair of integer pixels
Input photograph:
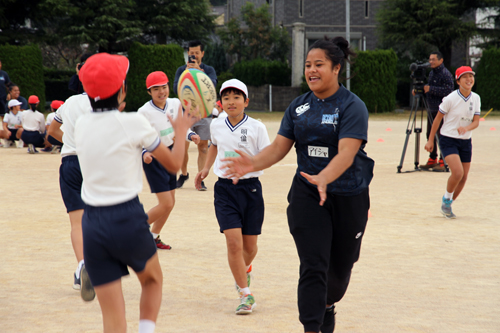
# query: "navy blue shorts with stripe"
{"type": "Point", "coordinates": [33, 137]}
{"type": "Point", "coordinates": [240, 205]}
{"type": "Point", "coordinates": [70, 181]}
{"type": "Point", "coordinates": [13, 133]}
{"type": "Point", "coordinates": [461, 147]}
{"type": "Point", "coordinates": [115, 237]}
{"type": "Point", "coordinates": [159, 179]}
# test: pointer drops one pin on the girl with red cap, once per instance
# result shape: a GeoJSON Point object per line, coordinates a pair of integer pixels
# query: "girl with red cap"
{"type": "Point", "coordinates": [461, 111]}
{"type": "Point", "coordinates": [33, 126]}
{"type": "Point", "coordinates": [161, 182]}
{"type": "Point", "coordinates": [55, 145]}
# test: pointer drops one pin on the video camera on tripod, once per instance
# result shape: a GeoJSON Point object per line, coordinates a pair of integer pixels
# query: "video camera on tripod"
{"type": "Point", "coordinates": [418, 75]}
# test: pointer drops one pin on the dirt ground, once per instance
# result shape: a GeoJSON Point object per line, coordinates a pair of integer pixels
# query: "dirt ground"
{"type": "Point", "coordinates": [418, 272]}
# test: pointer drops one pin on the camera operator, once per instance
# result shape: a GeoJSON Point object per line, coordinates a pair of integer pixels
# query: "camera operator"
{"type": "Point", "coordinates": [74, 83]}
{"type": "Point", "coordinates": [202, 128]}
{"type": "Point", "coordinates": [440, 84]}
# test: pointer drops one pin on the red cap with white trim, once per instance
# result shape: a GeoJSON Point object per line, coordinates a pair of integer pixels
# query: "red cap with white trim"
{"type": "Point", "coordinates": [463, 70]}
{"type": "Point", "coordinates": [103, 75]}
{"type": "Point", "coordinates": [156, 79]}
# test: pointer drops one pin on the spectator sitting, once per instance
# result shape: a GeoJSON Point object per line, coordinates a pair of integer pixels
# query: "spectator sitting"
{"type": "Point", "coordinates": [34, 126]}
{"type": "Point", "coordinates": [15, 93]}
{"type": "Point", "coordinates": [74, 83]}
{"type": "Point", "coordinates": [12, 123]}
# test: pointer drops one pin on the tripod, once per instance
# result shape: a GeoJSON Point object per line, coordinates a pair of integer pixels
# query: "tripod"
{"type": "Point", "coordinates": [413, 126]}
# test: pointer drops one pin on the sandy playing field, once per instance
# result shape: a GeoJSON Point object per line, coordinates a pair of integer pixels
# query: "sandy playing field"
{"type": "Point", "coordinates": [418, 272]}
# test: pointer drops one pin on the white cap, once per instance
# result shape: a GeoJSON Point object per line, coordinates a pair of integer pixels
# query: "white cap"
{"type": "Point", "coordinates": [236, 84]}
{"type": "Point", "coordinates": [14, 102]}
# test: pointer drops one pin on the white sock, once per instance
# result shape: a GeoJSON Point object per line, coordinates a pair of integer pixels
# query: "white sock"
{"type": "Point", "coordinates": [154, 235]}
{"type": "Point", "coordinates": [146, 326]}
{"type": "Point", "coordinates": [448, 195]}
{"type": "Point", "coordinates": [245, 291]}
{"type": "Point", "coordinates": [77, 272]}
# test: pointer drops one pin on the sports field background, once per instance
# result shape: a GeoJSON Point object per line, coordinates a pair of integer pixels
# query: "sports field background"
{"type": "Point", "coordinates": [418, 272]}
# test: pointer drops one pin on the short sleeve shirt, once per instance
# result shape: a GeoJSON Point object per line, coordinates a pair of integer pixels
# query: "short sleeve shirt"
{"type": "Point", "coordinates": [459, 111]}
{"type": "Point", "coordinates": [316, 125]}
{"type": "Point", "coordinates": [13, 119]}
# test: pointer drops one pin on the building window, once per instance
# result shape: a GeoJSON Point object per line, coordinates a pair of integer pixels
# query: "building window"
{"type": "Point", "coordinates": [367, 9]}
{"type": "Point", "coordinates": [301, 8]}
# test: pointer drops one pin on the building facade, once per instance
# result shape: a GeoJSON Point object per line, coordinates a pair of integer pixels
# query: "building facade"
{"type": "Point", "coordinates": [310, 20]}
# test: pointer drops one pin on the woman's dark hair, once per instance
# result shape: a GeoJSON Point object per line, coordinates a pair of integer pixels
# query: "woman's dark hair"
{"type": "Point", "coordinates": [336, 49]}
{"type": "Point", "coordinates": [33, 107]}
{"type": "Point", "coordinates": [11, 86]}
{"type": "Point", "coordinates": [108, 104]}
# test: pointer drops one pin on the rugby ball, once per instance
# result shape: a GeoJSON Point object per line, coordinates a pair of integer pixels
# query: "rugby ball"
{"type": "Point", "coordinates": [195, 86]}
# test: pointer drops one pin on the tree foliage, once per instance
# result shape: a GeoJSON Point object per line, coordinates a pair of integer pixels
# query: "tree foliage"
{"type": "Point", "coordinates": [259, 39]}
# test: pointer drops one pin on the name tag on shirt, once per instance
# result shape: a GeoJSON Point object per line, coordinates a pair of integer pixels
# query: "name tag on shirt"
{"type": "Point", "coordinates": [231, 154]}
{"type": "Point", "coordinates": [315, 151]}
{"type": "Point", "coordinates": [166, 131]}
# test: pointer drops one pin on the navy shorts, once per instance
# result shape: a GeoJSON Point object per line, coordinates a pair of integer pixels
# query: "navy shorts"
{"type": "Point", "coordinates": [70, 181]}
{"type": "Point", "coordinates": [159, 179]}
{"type": "Point", "coordinates": [33, 137]}
{"type": "Point", "coordinates": [240, 205]}
{"type": "Point", "coordinates": [461, 147]}
{"type": "Point", "coordinates": [115, 237]}
{"type": "Point", "coordinates": [53, 141]}
{"type": "Point", "coordinates": [13, 133]}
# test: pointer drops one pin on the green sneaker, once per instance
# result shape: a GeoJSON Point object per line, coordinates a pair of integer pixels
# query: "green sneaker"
{"type": "Point", "coordinates": [247, 305]}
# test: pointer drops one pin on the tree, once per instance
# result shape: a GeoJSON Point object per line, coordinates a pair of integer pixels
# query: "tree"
{"type": "Point", "coordinates": [428, 24]}
{"type": "Point", "coordinates": [259, 39]}
{"type": "Point", "coordinates": [178, 20]}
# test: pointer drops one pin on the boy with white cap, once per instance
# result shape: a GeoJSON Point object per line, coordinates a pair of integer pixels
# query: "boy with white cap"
{"type": "Point", "coordinates": [115, 227]}
{"type": "Point", "coordinates": [239, 207]}
{"type": "Point", "coordinates": [161, 182]}
{"type": "Point", "coordinates": [12, 123]}
{"type": "Point", "coordinates": [461, 111]}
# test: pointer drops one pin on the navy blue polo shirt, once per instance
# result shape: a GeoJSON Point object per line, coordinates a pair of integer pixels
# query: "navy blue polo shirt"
{"type": "Point", "coordinates": [316, 125]}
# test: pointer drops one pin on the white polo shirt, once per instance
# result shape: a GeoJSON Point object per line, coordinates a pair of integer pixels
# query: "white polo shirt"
{"type": "Point", "coordinates": [249, 136]}
{"type": "Point", "coordinates": [13, 119]}
{"type": "Point", "coordinates": [157, 117]}
{"type": "Point", "coordinates": [109, 148]}
{"type": "Point", "coordinates": [50, 118]}
{"type": "Point", "coordinates": [459, 111]}
{"type": "Point", "coordinates": [74, 107]}
{"type": "Point", "coordinates": [33, 121]}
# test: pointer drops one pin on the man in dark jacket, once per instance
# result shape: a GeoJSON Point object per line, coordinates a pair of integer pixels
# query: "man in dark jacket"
{"type": "Point", "coordinates": [440, 84]}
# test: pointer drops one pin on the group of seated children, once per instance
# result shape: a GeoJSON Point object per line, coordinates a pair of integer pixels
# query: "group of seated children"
{"type": "Point", "coordinates": [29, 126]}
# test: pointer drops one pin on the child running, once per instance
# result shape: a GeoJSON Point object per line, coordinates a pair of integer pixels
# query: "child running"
{"type": "Point", "coordinates": [160, 180]}
{"type": "Point", "coordinates": [461, 111]}
{"type": "Point", "coordinates": [239, 208]}
{"type": "Point", "coordinates": [115, 227]}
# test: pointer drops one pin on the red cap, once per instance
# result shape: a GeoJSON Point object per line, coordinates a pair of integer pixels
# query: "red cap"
{"type": "Point", "coordinates": [219, 103]}
{"type": "Point", "coordinates": [462, 70]}
{"type": "Point", "coordinates": [56, 104]}
{"type": "Point", "coordinates": [33, 99]}
{"type": "Point", "coordinates": [156, 79]}
{"type": "Point", "coordinates": [103, 75]}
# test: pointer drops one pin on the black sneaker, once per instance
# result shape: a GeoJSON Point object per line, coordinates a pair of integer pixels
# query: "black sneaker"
{"type": "Point", "coordinates": [328, 325]}
{"type": "Point", "coordinates": [203, 187]}
{"type": "Point", "coordinates": [182, 179]}
{"type": "Point", "coordinates": [87, 290]}
{"type": "Point", "coordinates": [76, 282]}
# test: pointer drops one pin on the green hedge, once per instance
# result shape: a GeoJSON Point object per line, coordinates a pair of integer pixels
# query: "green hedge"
{"type": "Point", "coordinates": [24, 66]}
{"type": "Point", "coordinates": [375, 80]}
{"type": "Point", "coordinates": [487, 79]}
{"type": "Point", "coordinates": [259, 72]}
{"type": "Point", "coordinates": [56, 84]}
{"type": "Point", "coordinates": [145, 59]}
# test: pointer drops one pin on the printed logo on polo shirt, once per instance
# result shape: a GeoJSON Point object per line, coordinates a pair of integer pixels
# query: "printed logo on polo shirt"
{"type": "Point", "coordinates": [359, 234]}
{"type": "Point", "coordinates": [331, 119]}
{"type": "Point", "coordinates": [301, 109]}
